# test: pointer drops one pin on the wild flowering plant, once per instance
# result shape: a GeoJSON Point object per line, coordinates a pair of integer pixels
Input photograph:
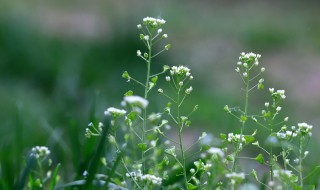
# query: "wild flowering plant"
{"type": "Point", "coordinates": [147, 149]}
{"type": "Point", "coordinates": [153, 158]}
{"type": "Point", "coordinates": [39, 170]}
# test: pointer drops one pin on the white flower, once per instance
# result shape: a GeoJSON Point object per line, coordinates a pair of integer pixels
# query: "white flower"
{"type": "Point", "coordinates": [216, 151]}
{"type": "Point", "coordinates": [153, 21]}
{"type": "Point", "coordinates": [181, 70]}
{"type": "Point", "coordinates": [271, 90]}
{"type": "Point", "coordinates": [237, 70]}
{"type": "Point", "coordinates": [192, 170]}
{"type": "Point", "coordinates": [278, 108]}
{"type": "Point", "coordinates": [263, 69]}
{"type": "Point", "coordinates": [304, 128]}
{"type": "Point", "coordinates": [115, 112]}
{"type": "Point", "coordinates": [261, 80]}
{"type": "Point", "coordinates": [40, 151]}
{"type": "Point", "coordinates": [189, 90]}
{"type": "Point", "coordinates": [239, 63]}
{"type": "Point", "coordinates": [245, 65]}
{"type": "Point", "coordinates": [159, 30]}
{"type": "Point", "coordinates": [245, 74]}
{"type": "Point", "coordinates": [139, 26]}
{"type": "Point", "coordinates": [191, 77]}
{"type": "Point", "coordinates": [146, 37]}
{"type": "Point", "coordinates": [168, 78]}
{"type": "Point", "coordinates": [153, 143]}
{"type": "Point", "coordinates": [138, 53]}
{"type": "Point", "coordinates": [266, 104]}
{"type": "Point", "coordinates": [286, 118]}
{"type": "Point", "coordinates": [136, 101]}
{"type": "Point", "coordinates": [160, 90]}
{"type": "Point", "coordinates": [165, 36]}
{"type": "Point", "coordinates": [180, 83]}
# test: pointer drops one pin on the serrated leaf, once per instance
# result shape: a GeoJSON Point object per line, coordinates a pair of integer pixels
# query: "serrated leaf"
{"type": "Point", "coordinates": [259, 158]}
{"type": "Point", "coordinates": [191, 186]}
{"type": "Point", "coordinates": [142, 146]}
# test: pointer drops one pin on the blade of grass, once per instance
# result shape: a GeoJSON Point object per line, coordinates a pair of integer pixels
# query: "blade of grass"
{"type": "Point", "coordinates": [54, 177]}
{"type": "Point", "coordinates": [30, 164]}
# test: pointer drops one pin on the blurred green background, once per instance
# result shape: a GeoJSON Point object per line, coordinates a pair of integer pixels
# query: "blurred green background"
{"type": "Point", "coordinates": [61, 64]}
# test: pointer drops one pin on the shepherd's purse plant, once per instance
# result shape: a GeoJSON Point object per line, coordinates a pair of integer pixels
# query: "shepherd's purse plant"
{"type": "Point", "coordinates": [148, 149]}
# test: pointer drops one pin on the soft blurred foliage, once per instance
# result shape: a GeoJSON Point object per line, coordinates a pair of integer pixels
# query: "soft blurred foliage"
{"type": "Point", "coordinates": [61, 64]}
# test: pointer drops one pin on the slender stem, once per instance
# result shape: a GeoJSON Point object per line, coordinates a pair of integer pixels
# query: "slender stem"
{"type": "Point", "coordinates": [180, 140]}
{"type": "Point", "coordinates": [300, 161]}
{"type": "Point", "coordinates": [145, 110]}
{"type": "Point", "coordinates": [247, 83]}
{"type": "Point", "coordinates": [271, 153]}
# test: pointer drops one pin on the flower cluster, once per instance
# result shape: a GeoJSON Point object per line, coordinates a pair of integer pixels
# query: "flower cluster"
{"type": "Point", "coordinates": [153, 22]}
{"type": "Point", "coordinates": [277, 94]}
{"type": "Point", "coordinates": [282, 173]}
{"type": "Point", "coordinates": [235, 138]}
{"type": "Point", "coordinates": [247, 58]}
{"type": "Point", "coordinates": [304, 129]}
{"type": "Point", "coordinates": [213, 152]}
{"type": "Point", "coordinates": [40, 152]}
{"type": "Point", "coordinates": [135, 101]}
{"type": "Point", "coordinates": [91, 130]}
{"type": "Point", "coordinates": [138, 176]}
{"type": "Point", "coordinates": [115, 112]}
{"type": "Point", "coordinates": [181, 71]}
{"type": "Point", "coordinates": [236, 177]}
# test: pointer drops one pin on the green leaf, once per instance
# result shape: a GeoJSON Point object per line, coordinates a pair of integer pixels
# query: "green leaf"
{"type": "Point", "coordinates": [226, 108]}
{"type": "Point", "coordinates": [132, 116]}
{"type": "Point", "coordinates": [54, 177]}
{"type": "Point", "coordinates": [151, 85]}
{"type": "Point", "coordinates": [154, 79]}
{"type": "Point", "coordinates": [126, 75]}
{"type": "Point", "coordinates": [260, 86]}
{"type": "Point", "coordinates": [254, 173]}
{"type": "Point", "coordinates": [165, 68]}
{"type": "Point", "coordinates": [223, 136]}
{"type": "Point", "coordinates": [129, 93]}
{"type": "Point", "coordinates": [249, 139]}
{"type": "Point", "coordinates": [171, 151]}
{"type": "Point", "coordinates": [191, 186]}
{"type": "Point", "coordinates": [259, 158]}
{"type": "Point", "coordinates": [243, 118]}
{"type": "Point", "coordinates": [142, 146]}
{"type": "Point", "coordinates": [230, 157]}
{"type": "Point", "coordinates": [268, 114]}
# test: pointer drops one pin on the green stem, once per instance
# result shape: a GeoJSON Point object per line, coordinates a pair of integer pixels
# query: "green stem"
{"type": "Point", "coordinates": [300, 161]}
{"type": "Point", "coordinates": [247, 83]}
{"type": "Point", "coordinates": [271, 154]}
{"type": "Point", "coordinates": [180, 141]}
{"type": "Point", "coordinates": [145, 110]}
